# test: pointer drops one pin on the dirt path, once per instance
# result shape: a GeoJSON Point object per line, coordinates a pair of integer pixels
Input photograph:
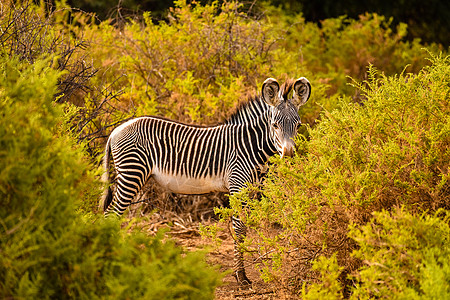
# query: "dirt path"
{"type": "Point", "coordinates": [190, 239]}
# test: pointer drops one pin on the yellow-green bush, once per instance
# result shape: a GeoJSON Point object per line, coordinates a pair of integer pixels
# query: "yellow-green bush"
{"type": "Point", "coordinates": [391, 150]}
{"type": "Point", "coordinates": [197, 66]}
{"type": "Point", "coordinates": [31, 31]}
{"type": "Point", "coordinates": [404, 256]}
{"type": "Point", "coordinates": [48, 249]}
{"type": "Point", "coordinates": [342, 47]}
{"type": "Point", "coordinates": [194, 68]}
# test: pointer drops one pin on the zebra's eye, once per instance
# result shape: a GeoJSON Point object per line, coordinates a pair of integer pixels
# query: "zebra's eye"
{"type": "Point", "coordinates": [275, 125]}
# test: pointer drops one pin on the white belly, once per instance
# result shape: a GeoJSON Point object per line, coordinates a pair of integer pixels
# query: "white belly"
{"type": "Point", "coordinates": [187, 185]}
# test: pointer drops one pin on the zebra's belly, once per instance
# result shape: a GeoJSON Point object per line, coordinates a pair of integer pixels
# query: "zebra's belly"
{"type": "Point", "coordinates": [188, 185]}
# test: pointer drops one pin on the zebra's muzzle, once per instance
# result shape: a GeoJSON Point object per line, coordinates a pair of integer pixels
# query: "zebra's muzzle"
{"type": "Point", "coordinates": [288, 149]}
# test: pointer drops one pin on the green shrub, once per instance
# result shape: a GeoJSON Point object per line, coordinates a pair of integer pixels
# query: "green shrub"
{"type": "Point", "coordinates": [390, 150]}
{"type": "Point", "coordinates": [342, 47]}
{"type": "Point", "coordinates": [47, 248]}
{"type": "Point", "coordinates": [405, 256]}
{"type": "Point", "coordinates": [329, 286]}
{"type": "Point", "coordinates": [196, 67]}
{"type": "Point", "coordinates": [31, 31]}
{"type": "Point", "coordinates": [199, 64]}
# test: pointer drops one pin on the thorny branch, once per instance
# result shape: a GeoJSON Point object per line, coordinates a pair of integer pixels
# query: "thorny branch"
{"type": "Point", "coordinates": [29, 35]}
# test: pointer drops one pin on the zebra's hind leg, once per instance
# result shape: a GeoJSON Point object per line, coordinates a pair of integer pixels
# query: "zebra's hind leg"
{"type": "Point", "coordinates": [127, 187]}
{"type": "Point", "coordinates": [238, 270]}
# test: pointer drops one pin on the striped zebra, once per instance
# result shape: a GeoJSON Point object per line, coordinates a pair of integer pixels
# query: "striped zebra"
{"type": "Point", "coordinates": [190, 159]}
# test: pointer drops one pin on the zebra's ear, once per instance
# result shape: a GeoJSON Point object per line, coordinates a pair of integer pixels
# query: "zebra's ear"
{"type": "Point", "coordinates": [270, 91]}
{"type": "Point", "coordinates": [302, 91]}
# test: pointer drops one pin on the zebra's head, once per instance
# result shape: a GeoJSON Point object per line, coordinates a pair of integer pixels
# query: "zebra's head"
{"type": "Point", "coordinates": [284, 120]}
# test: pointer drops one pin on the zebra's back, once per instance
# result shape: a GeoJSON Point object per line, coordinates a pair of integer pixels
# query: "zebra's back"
{"type": "Point", "coordinates": [182, 158]}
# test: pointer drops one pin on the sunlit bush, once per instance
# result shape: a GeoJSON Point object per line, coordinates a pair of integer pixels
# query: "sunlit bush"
{"type": "Point", "coordinates": [405, 257]}
{"type": "Point", "coordinates": [391, 150]}
{"type": "Point", "coordinates": [200, 64]}
{"type": "Point", "coordinates": [342, 47]}
{"type": "Point", "coordinates": [196, 67]}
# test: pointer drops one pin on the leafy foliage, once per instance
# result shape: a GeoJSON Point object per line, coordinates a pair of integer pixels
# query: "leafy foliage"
{"type": "Point", "coordinates": [50, 250]}
{"type": "Point", "coordinates": [405, 256]}
{"type": "Point", "coordinates": [390, 150]}
{"type": "Point", "coordinates": [427, 21]}
{"type": "Point", "coordinates": [329, 286]}
{"type": "Point", "coordinates": [197, 66]}
{"type": "Point", "coordinates": [31, 31]}
{"type": "Point", "coordinates": [182, 69]}
{"type": "Point", "coordinates": [200, 64]}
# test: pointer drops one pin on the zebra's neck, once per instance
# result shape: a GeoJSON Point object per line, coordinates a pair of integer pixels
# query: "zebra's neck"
{"type": "Point", "coordinates": [250, 112]}
{"type": "Point", "coordinates": [254, 115]}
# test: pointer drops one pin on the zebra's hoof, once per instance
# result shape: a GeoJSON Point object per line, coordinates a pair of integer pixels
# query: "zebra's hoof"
{"type": "Point", "coordinates": [241, 278]}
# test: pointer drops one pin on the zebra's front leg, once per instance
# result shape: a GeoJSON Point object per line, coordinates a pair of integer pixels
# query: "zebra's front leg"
{"type": "Point", "coordinates": [240, 231]}
{"type": "Point", "coordinates": [237, 182]}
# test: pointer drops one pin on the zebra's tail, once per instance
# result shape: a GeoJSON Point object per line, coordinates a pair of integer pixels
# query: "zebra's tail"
{"type": "Point", "coordinates": [107, 196]}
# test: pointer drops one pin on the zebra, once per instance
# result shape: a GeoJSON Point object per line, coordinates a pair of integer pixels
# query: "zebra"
{"type": "Point", "coordinates": [192, 159]}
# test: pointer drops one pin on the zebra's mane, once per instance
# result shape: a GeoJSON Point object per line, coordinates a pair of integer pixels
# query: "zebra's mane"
{"type": "Point", "coordinates": [255, 107]}
{"type": "Point", "coordinates": [252, 109]}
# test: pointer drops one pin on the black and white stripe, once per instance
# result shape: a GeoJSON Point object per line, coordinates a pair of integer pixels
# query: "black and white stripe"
{"type": "Point", "coordinates": [191, 159]}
